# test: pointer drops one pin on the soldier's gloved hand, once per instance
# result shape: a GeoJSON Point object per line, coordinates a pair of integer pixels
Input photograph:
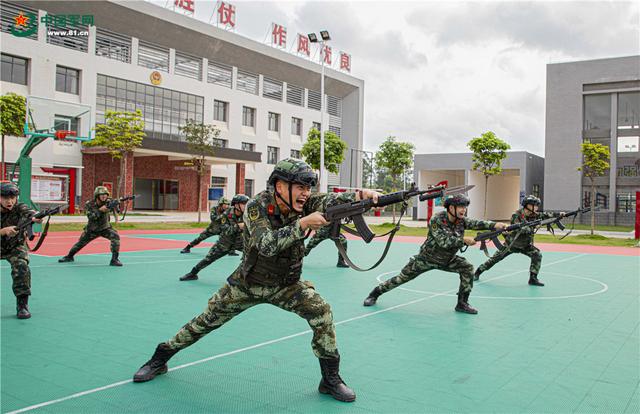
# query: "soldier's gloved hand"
{"type": "Point", "coordinates": [469, 241]}
{"type": "Point", "coordinates": [369, 194]}
{"type": "Point", "coordinates": [313, 221]}
{"type": "Point", "coordinates": [501, 226]}
{"type": "Point", "coordinates": [36, 220]}
{"type": "Point", "coordinates": [9, 231]}
{"type": "Point", "coordinates": [562, 214]}
{"type": "Point", "coordinates": [104, 209]}
{"type": "Point", "coordinates": [241, 225]}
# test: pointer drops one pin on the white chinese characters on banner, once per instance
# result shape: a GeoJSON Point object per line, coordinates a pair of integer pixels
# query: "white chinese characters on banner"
{"type": "Point", "coordinates": [278, 36]}
{"type": "Point", "coordinates": [45, 188]}
{"type": "Point", "coordinates": [345, 61]}
{"type": "Point", "coordinates": [226, 15]}
{"type": "Point", "coordinates": [303, 45]}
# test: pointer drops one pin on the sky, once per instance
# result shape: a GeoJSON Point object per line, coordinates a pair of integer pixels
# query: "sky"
{"type": "Point", "coordinates": [437, 74]}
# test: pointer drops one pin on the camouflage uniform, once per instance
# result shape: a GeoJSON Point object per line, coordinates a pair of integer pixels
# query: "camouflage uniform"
{"type": "Point", "coordinates": [520, 242]}
{"type": "Point", "coordinates": [213, 229]}
{"type": "Point", "coordinates": [97, 226]}
{"type": "Point", "coordinates": [230, 240]}
{"type": "Point", "coordinates": [322, 235]}
{"type": "Point", "coordinates": [17, 253]}
{"type": "Point", "coordinates": [439, 252]}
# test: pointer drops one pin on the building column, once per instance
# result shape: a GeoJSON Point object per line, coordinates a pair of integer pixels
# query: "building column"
{"type": "Point", "coordinates": [88, 178]}
{"type": "Point", "coordinates": [128, 175]}
{"type": "Point", "coordinates": [240, 171]}
{"type": "Point", "coordinates": [613, 150]}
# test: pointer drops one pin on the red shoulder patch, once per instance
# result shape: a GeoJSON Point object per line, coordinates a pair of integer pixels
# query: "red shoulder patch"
{"type": "Point", "coordinates": [271, 209]}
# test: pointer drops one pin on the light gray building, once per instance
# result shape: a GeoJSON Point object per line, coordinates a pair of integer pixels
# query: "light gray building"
{"type": "Point", "coordinates": [596, 101]}
{"type": "Point", "coordinates": [523, 174]}
{"type": "Point", "coordinates": [138, 55]}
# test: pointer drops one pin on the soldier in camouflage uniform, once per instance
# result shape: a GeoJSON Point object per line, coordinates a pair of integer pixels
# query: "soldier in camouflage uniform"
{"type": "Point", "coordinates": [15, 251]}
{"type": "Point", "coordinates": [97, 226]}
{"type": "Point", "coordinates": [446, 237]}
{"type": "Point", "coordinates": [275, 225]}
{"type": "Point", "coordinates": [322, 235]}
{"type": "Point", "coordinates": [522, 241]}
{"type": "Point", "coordinates": [231, 226]}
{"type": "Point", "coordinates": [213, 229]}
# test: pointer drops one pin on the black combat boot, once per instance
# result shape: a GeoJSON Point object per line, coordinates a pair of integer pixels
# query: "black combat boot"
{"type": "Point", "coordinates": [156, 365]}
{"type": "Point", "coordinates": [232, 253]}
{"type": "Point", "coordinates": [341, 262]}
{"type": "Point", "coordinates": [114, 260]}
{"type": "Point", "coordinates": [186, 249]}
{"type": "Point", "coordinates": [22, 307]}
{"type": "Point", "coordinates": [373, 297]}
{"type": "Point", "coordinates": [477, 274]}
{"type": "Point", "coordinates": [331, 383]}
{"type": "Point", "coordinates": [533, 280]}
{"type": "Point", "coordinates": [189, 276]}
{"type": "Point", "coordinates": [64, 259]}
{"type": "Point", "coordinates": [463, 304]}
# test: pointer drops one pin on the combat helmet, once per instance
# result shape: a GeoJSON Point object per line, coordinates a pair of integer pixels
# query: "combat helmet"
{"type": "Point", "coordinates": [9, 190]}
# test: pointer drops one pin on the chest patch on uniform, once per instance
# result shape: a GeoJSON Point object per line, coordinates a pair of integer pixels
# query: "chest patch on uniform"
{"type": "Point", "coordinates": [253, 213]}
{"type": "Point", "coordinates": [434, 226]}
{"type": "Point", "coordinates": [223, 219]}
{"type": "Point", "coordinates": [271, 209]}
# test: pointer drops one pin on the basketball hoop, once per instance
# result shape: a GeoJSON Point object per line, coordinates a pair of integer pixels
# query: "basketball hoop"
{"type": "Point", "coordinates": [62, 134]}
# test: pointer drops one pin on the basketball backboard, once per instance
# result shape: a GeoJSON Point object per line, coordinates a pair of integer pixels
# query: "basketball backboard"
{"type": "Point", "coordinates": [51, 117]}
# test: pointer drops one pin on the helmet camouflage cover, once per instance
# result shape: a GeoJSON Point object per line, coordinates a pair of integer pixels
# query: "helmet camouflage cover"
{"type": "Point", "coordinates": [100, 190]}
{"type": "Point", "coordinates": [531, 199]}
{"type": "Point", "coordinates": [239, 199]}
{"type": "Point", "coordinates": [9, 190]}
{"type": "Point", "coordinates": [223, 200]}
{"type": "Point", "coordinates": [456, 200]}
{"type": "Point", "coordinates": [293, 171]}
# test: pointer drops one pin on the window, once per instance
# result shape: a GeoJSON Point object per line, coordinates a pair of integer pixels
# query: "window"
{"type": "Point", "coordinates": [219, 74]}
{"type": "Point", "coordinates": [629, 110]}
{"type": "Point", "coordinates": [597, 112]}
{"type": "Point", "coordinates": [316, 125]}
{"type": "Point", "coordinates": [334, 106]}
{"type": "Point", "coordinates": [296, 154]}
{"type": "Point", "coordinates": [247, 146]}
{"type": "Point", "coordinates": [14, 69]}
{"type": "Point", "coordinates": [335, 130]}
{"type": "Point", "coordinates": [220, 110]}
{"type": "Point", "coordinates": [218, 182]}
{"type": "Point", "coordinates": [152, 56]}
{"type": "Point", "coordinates": [189, 66]}
{"type": "Point", "coordinates": [274, 122]}
{"type": "Point", "coordinates": [296, 126]}
{"type": "Point", "coordinates": [248, 188]}
{"type": "Point", "coordinates": [628, 144]}
{"type": "Point", "coordinates": [247, 82]}
{"type": "Point", "coordinates": [113, 45]}
{"type": "Point", "coordinates": [272, 89]}
{"type": "Point", "coordinates": [220, 143]}
{"type": "Point", "coordinates": [248, 116]}
{"type": "Point", "coordinates": [67, 80]}
{"type": "Point", "coordinates": [272, 155]}
{"type": "Point", "coordinates": [626, 202]}
{"type": "Point", "coordinates": [536, 190]}
{"type": "Point", "coordinates": [295, 95]}
{"type": "Point", "coordinates": [313, 100]}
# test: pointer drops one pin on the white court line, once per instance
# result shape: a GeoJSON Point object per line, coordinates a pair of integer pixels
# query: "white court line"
{"type": "Point", "coordinates": [102, 264]}
{"type": "Point", "coordinates": [273, 341]}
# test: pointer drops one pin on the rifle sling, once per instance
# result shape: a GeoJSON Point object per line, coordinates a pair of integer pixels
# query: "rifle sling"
{"type": "Point", "coordinates": [43, 235]}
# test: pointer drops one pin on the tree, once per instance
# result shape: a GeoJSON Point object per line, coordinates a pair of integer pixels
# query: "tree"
{"type": "Point", "coordinates": [368, 171]}
{"type": "Point", "coordinates": [12, 117]}
{"type": "Point", "coordinates": [200, 140]}
{"type": "Point", "coordinates": [334, 149]}
{"type": "Point", "coordinates": [121, 133]}
{"type": "Point", "coordinates": [488, 153]}
{"type": "Point", "coordinates": [395, 158]}
{"type": "Point", "coordinates": [595, 162]}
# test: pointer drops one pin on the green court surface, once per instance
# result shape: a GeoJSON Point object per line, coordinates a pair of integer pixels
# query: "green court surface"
{"type": "Point", "coordinates": [571, 346]}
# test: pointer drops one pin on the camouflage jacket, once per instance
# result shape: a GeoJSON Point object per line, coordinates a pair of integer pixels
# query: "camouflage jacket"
{"type": "Point", "coordinates": [98, 220]}
{"type": "Point", "coordinates": [11, 218]}
{"type": "Point", "coordinates": [274, 242]}
{"type": "Point", "coordinates": [230, 231]}
{"type": "Point", "coordinates": [523, 238]}
{"type": "Point", "coordinates": [215, 214]}
{"type": "Point", "coordinates": [445, 238]}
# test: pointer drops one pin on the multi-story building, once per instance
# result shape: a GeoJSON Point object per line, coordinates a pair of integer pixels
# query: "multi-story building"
{"type": "Point", "coordinates": [172, 67]}
{"type": "Point", "coordinates": [596, 101]}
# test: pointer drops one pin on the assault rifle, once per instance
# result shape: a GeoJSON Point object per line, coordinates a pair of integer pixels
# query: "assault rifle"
{"type": "Point", "coordinates": [346, 212]}
{"type": "Point", "coordinates": [549, 223]}
{"type": "Point", "coordinates": [26, 226]}
{"type": "Point", "coordinates": [114, 205]}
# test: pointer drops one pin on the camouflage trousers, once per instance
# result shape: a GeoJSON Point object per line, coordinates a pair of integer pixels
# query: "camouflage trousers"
{"type": "Point", "coordinates": [206, 233]}
{"type": "Point", "coordinates": [215, 253]}
{"type": "Point", "coordinates": [299, 298]}
{"type": "Point", "coordinates": [18, 258]}
{"type": "Point", "coordinates": [87, 236]}
{"type": "Point", "coordinates": [418, 265]}
{"type": "Point", "coordinates": [532, 251]}
{"type": "Point", "coordinates": [321, 235]}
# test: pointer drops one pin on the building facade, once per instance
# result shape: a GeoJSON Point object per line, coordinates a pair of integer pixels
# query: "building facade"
{"type": "Point", "coordinates": [172, 67]}
{"type": "Point", "coordinates": [523, 174]}
{"type": "Point", "coordinates": [596, 101]}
